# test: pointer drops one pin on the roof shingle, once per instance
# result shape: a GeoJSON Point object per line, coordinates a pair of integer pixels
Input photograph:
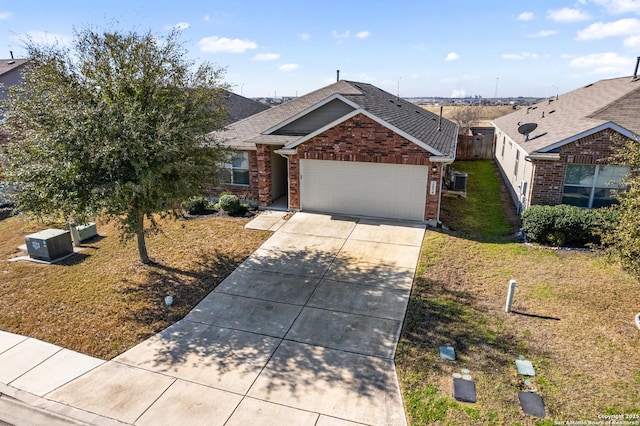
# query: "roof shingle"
{"type": "Point", "coordinates": [577, 112]}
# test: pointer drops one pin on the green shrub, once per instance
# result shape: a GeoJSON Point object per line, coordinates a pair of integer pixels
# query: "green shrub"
{"type": "Point", "coordinates": [231, 204]}
{"type": "Point", "coordinates": [196, 205]}
{"type": "Point", "coordinates": [566, 225]}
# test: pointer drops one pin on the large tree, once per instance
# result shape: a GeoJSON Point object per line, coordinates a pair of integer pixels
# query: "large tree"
{"type": "Point", "coordinates": [622, 240]}
{"type": "Point", "coordinates": [115, 125]}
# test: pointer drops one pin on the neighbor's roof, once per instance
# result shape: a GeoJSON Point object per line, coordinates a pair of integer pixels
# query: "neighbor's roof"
{"type": "Point", "coordinates": [241, 107]}
{"type": "Point", "coordinates": [7, 65]}
{"type": "Point", "coordinates": [612, 103]}
{"type": "Point", "coordinates": [405, 116]}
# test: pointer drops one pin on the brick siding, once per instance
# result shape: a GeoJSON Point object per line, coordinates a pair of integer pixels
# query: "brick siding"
{"type": "Point", "coordinates": [548, 176]}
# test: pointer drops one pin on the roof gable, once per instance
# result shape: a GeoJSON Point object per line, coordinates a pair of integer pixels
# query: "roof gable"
{"type": "Point", "coordinates": [352, 114]}
{"type": "Point", "coordinates": [314, 117]}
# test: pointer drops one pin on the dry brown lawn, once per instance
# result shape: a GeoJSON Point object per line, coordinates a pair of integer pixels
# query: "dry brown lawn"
{"type": "Point", "coordinates": [485, 113]}
{"type": "Point", "coordinates": [573, 319]}
{"type": "Point", "coordinates": [103, 301]}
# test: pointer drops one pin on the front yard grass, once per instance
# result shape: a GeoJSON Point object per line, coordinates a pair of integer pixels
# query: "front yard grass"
{"type": "Point", "coordinates": [103, 301]}
{"type": "Point", "coordinates": [573, 319]}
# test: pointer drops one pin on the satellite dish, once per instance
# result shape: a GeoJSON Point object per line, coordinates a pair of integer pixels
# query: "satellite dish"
{"type": "Point", "coordinates": [526, 128]}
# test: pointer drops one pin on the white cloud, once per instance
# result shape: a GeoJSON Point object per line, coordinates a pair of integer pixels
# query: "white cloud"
{"type": "Point", "coordinates": [216, 44]}
{"type": "Point", "coordinates": [206, 17]}
{"type": "Point", "coordinates": [42, 37]}
{"type": "Point", "coordinates": [5, 15]}
{"type": "Point", "coordinates": [363, 34]}
{"type": "Point", "coordinates": [567, 15]}
{"type": "Point", "coordinates": [345, 34]}
{"type": "Point", "coordinates": [609, 63]}
{"type": "Point", "coordinates": [600, 30]}
{"type": "Point", "coordinates": [304, 36]}
{"type": "Point", "coordinates": [452, 57]}
{"type": "Point", "coordinates": [266, 57]}
{"type": "Point", "coordinates": [543, 33]}
{"type": "Point", "coordinates": [366, 78]}
{"type": "Point", "coordinates": [519, 56]}
{"type": "Point", "coordinates": [458, 93]}
{"type": "Point", "coordinates": [288, 67]}
{"type": "Point", "coordinates": [632, 42]}
{"type": "Point", "coordinates": [525, 16]}
{"type": "Point", "coordinates": [620, 6]}
{"type": "Point", "coordinates": [179, 26]}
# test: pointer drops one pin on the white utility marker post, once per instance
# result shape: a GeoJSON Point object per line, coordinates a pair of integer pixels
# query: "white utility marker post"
{"type": "Point", "coordinates": [512, 288]}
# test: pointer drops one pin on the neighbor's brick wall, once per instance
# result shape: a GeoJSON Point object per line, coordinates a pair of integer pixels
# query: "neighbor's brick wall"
{"type": "Point", "coordinates": [364, 140]}
{"type": "Point", "coordinates": [548, 177]}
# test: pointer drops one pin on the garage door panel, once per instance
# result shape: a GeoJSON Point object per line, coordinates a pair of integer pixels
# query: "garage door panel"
{"type": "Point", "coordinates": [364, 189]}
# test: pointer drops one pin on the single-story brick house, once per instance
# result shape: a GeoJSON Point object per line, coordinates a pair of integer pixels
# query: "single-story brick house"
{"type": "Point", "coordinates": [348, 148]}
{"type": "Point", "coordinates": [563, 159]}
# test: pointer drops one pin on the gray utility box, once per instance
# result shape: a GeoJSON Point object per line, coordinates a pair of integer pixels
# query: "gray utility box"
{"type": "Point", "coordinates": [86, 231]}
{"type": "Point", "coordinates": [49, 244]}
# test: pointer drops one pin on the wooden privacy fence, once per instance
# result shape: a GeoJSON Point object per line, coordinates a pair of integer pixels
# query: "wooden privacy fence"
{"type": "Point", "coordinates": [475, 147]}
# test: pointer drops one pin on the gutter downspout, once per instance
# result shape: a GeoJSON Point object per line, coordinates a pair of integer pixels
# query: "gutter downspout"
{"type": "Point", "coordinates": [446, 161]}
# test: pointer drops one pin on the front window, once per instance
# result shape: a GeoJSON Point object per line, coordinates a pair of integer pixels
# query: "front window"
{"type": "Point", "coordinates": [592, 186]}
{"type": "Point", "coordinates": [236, 170]}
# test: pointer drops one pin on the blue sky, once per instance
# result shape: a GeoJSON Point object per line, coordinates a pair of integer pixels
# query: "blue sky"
{"type": "Point", "coordinates": [426, 48]}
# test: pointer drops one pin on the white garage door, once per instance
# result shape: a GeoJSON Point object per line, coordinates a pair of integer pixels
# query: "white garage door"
{"type": "Point", "coordinates": [363, 189]}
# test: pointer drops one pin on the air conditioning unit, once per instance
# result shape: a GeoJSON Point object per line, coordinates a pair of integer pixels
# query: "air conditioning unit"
{"type": "Point", "coordinates": [458, 181]}
{"type": "Point", "coordinates": [49, 244]}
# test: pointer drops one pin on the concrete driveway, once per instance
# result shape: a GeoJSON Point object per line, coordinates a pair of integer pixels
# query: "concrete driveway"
{"type": "Point", "coordinates": [304, 332]}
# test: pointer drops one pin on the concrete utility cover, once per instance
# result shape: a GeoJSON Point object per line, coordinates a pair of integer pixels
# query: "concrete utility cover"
{"type": "Point", "coordinates": [525, 367]}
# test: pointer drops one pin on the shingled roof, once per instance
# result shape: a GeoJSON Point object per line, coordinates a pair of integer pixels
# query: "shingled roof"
{"type": "Point", "coordinates": [612, 103]}
{"type": "Point", "coordinates": [240, 107]}
{"type": "Point", "coordinates": [7, 65]}
{"type": "Point", "coordinates": [416, 122]}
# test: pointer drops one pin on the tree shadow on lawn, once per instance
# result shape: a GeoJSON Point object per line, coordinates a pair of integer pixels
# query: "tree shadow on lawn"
{"type": "Point", "coordinates": [438, 315]}
{"type": "Point", "coordinates": [187, 287]}
{"type": "Point", "coordinates": [333, 341]}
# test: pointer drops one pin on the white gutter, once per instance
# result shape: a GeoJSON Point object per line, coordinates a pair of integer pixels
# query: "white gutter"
{"type": "Point", "coordinates": [285, 152]}
{"type": "Point", "coordinates": [543, 157]}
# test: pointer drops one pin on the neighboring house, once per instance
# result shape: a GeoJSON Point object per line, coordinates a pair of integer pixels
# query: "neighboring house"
{"type": "Point", "coordinates": [10, 74]}
{"type": "Point", "coordinates": [348, 148]}
{"type": "Point", "coordinates": [240, 107]}
{"type": "Point", "coordinates": [563, 160]}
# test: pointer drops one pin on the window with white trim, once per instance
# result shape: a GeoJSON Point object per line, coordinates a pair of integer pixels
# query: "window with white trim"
{"type": "Point", "coordinates": [503, 145]}
{"type": "Point", "coordinates": [592, 186]}
{"type": "Point", "coordinates": [236, 170]}
{"type": "Point", "coordinates": [515, 167]}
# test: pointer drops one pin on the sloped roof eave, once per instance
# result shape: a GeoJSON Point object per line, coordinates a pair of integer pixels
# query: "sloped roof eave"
{"type": "Point", "coordinates": [604, 126]}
